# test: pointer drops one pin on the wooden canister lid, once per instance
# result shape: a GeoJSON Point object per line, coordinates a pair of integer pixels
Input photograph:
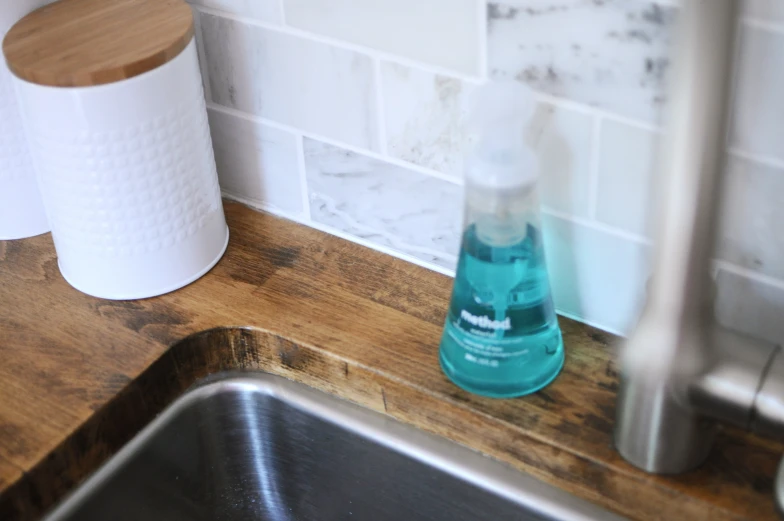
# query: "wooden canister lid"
{"type": "Point", "coordinates": [79, 43]}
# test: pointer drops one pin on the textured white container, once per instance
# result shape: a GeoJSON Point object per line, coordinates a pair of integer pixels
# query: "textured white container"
{"type": "Point", "coordinates": [128, 178]}
{"type": "Point", "coordinates": [21, 210]}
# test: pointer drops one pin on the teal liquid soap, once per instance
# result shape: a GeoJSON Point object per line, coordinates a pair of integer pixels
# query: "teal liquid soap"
{"type": "Point", "coordinates": [501, 337]}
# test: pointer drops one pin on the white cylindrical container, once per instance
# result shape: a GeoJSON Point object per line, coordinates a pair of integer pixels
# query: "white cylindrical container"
{"type": "Point", "coordinates": [128, 177]}
{"type": "Point", "coordinates": [21, 210]}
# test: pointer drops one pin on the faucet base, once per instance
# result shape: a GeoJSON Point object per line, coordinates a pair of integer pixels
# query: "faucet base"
{"type": "Point", "coordinates": [657, 434]}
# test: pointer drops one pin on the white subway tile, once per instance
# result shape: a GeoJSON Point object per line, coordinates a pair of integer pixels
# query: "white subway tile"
{"type": "Point", "coordinates": [612, 54]}
{"type": "Point", "coordinates": [595, 276]}
{"type": "Point", "coordinates": [753, 213]}
{"type": "Point", "coordinates": [439, 32]}
{"type": "Point", "coordinates": [562, 141]}
{"type": "Point", "coordinates": [626, 190]}
{"type": "Point", "coordinates": [306, 84]}
{"type": "Point", "coordinates": [404, 210]}
{"type": "Point", "coordinates": [758, 124]}
{"type": "Point", "coordinates": [750, 306]}
{"type": "Point", "coordinates": [262, 10]}
{"type": "Point", "coordinates": [257, 162]}
{"type": "Point", "coordinates": [425, 117]}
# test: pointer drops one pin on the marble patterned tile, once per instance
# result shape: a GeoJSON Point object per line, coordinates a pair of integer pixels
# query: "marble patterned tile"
{"type": "Point", "coordinates": [397, 208]}
{"type": "Point", "coordinates": [595, 276]}
{"type": "Point", "coordinates": [758, 124]}
{"type": "Point", "coordinates": [753, 211]}
{"type": "Point", "coordinates": [611, 54]}
{"type": "Point", "coordinates": [262, 10]}
{"type": "Point", "coordinates": [306, 84]}
{"type": "Point", "coordinates": [438, 32]}
{"type": "Point", "coordinates": [425, 117]}
{"type": "Point", "coordinates": [750, 306]}
{"type": "Point", "coordinates": [257, 162]}
{"type": "Point", "coordinates": [626, 192]}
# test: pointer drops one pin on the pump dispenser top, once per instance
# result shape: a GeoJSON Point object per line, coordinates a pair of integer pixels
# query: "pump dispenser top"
{"type": "Point", "coordinates": [499, 157]}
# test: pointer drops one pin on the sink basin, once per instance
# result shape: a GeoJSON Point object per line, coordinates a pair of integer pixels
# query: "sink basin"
{"type": "Point", "coordinates": [258, 447]}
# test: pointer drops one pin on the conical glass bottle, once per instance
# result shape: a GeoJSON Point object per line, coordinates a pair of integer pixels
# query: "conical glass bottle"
{"type": "Point", "coordinates": [501, 337]}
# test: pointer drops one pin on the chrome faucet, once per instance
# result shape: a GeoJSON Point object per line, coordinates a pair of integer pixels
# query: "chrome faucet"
{"type": "Point", "coordinates": [681, 373]}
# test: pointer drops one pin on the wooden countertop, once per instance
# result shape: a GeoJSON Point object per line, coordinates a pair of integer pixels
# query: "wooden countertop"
{"type": "Point", "coordinates": [79, 375]}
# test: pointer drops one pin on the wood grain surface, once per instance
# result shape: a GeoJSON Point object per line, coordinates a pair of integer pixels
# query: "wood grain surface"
{"type": "Point", "coordinates": [79, 43]}
{"type": "Point", "coordinates": [80, 376]}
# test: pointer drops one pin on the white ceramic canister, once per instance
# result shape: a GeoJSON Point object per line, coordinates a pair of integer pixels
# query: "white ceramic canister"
{"type": "Point", "coordinates": [21, 210]}
{"type": "Point", "coordinates": [128, 177]}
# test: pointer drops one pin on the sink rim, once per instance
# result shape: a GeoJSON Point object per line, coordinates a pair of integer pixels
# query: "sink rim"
{"type": "Point", "coordinates": [447, 456]}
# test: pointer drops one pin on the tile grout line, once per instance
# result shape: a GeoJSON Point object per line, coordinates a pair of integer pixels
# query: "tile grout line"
{"type": "Point", "coordinates": [382, 249]}
{"type": "Point", "coordinates": [351, 148]}
{"type": "Point", "coordinates": [757, 23]}
{"type": "Point", "coordinates": [264, 206]}
{"type": "Point", "coordinates": [482, 39]}
{"type": "Point", "coordinates": [758, 159]}
{"type": "Point", "coordinates": [592, 323]}
{"type": "Point", "coordinates": [734, 85]}
{"type": "Point", "coordinates": [259, 205]}
{"type": "Point", "coordinates": [599, 227]}
{"type": "Point", "coordinates": [593, 183]}
{"type": "Point", "coordinates": [730, 267]}
{"type": "Point", "coordinates": [381, 115]}
{"type": "Point", "coordinates": [282, 7]}
{"type": "Point", "coordinates": [303, 178]}
{"type": "Point", "coordinates": [203, 67]}
{"type": "Point", "coordinates": [591, 110]}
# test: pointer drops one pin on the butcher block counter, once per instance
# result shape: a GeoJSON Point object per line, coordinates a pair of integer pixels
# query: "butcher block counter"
{"type": "Point", "coordinates": [79, 376]}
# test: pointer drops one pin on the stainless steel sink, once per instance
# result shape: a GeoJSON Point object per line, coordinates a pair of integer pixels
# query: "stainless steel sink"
{"type": "Point", "coordinates": [259, 447]}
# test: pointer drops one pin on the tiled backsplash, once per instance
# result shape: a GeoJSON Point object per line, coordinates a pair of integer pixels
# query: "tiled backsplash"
{"type": "Point", "coordinates": [346, 115]}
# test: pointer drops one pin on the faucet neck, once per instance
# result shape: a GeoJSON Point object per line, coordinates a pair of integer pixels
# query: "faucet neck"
{"type": "Point", "coordinates": [658, 427]}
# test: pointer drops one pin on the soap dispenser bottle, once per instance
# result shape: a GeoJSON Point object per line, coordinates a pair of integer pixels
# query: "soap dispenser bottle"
{"type": "Point", "coordinates": [501, 337]}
